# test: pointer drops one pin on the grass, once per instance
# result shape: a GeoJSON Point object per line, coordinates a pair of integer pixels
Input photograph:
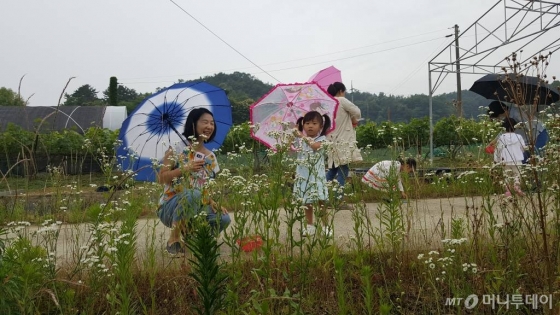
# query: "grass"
{"type": "Point", "coordinates": [40, 195]}
{"type": "Point", "coordinates": [45, 183]}
{"type": "Point", "coordinates": [386, 258]}
{"type": "Point", "coordinates": [65, 249]}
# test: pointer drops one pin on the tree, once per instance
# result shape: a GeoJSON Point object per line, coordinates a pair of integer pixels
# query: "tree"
{"type": "Point", "coordinates": [10, 98]}
{"type": "Point", "coordinates": [243, 87]}
{"type": "Point", "coordinates": [238, 85]}
{"type": "Point", "coordinates": [240, 110]}
{"type": "Point", "coordinates": [453, 133]}
{"type": "Point", "coordinates": [124, 94]}
{"type": "Point", "coordinates": [127, 97]}
{"type": "Point", "coordinates": [416, 134]}
{"type": "Point", "coordinates": [85, 95]}
{"type": "Point", "coordinates": [132, 104]}
{"type": "Point", "coordinates": [113, 98]}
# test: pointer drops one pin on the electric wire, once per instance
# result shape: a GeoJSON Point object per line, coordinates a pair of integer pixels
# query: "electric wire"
{"type": "Point", "coordinates": [352, 49]}
{"type": "Point", "coordinates": [286, 61]}
{"type": "Point", "coordinates": [410, 75]}
{"type": "Point", "coordinates": [356, 56]}
{"type": "Point", "coordinates": [311, 64]}
{"type": "Point", "coordinates": [292, 60]}
{"type": "Point", "coordinates": [299, 59]}
{"type": "Point", "coordinates": [223, 41]}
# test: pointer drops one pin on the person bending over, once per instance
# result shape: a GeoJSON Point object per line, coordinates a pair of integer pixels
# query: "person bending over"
{"type": "Point", "coordinates": [385, 174]}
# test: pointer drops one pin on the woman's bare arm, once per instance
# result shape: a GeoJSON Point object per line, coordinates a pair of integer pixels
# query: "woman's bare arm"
{"type": "Point", "coordinates": [168, 172]}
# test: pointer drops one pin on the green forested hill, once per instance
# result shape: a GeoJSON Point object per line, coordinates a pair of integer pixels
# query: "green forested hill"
{"type": "Point", "coordinates": [243, 90]}
{"type": "Point", "coordinates": [381, 107]}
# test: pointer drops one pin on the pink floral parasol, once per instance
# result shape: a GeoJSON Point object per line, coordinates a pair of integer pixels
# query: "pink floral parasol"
{"type": "Point", "coordinates": [326, 77]}
{"type": "Point", "coordinates": [278, 111]}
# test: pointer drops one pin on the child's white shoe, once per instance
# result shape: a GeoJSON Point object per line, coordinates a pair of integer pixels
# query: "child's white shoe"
{"type": "Point", "coordinates": [328, 231]}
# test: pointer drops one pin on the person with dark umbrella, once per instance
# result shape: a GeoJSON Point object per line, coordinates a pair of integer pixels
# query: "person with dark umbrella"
{"type": "Point", "coordinates": [533, 131]}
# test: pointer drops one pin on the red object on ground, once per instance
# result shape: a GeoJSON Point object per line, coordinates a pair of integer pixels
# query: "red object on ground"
{"type": "Point", "coordinates": [250, 243]}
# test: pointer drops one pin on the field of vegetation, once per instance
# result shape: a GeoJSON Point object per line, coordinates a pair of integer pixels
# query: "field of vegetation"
{"type": "Point", "coordinates": [507, 246]}
{"type": "Point", "coordinates": [66, 248]}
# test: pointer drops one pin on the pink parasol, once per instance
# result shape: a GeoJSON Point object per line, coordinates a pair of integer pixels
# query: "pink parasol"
{"type": "Point", "coordinates": [278, 111]}
{"type": "Point", "coordinates": [326, 77]}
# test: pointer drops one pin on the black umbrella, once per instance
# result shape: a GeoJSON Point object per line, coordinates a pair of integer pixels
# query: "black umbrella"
{"type": "Point", "coordinates": [509, 88]}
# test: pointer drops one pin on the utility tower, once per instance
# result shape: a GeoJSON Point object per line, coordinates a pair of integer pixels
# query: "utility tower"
{"type": "Point", "coordinates": [528, 27]}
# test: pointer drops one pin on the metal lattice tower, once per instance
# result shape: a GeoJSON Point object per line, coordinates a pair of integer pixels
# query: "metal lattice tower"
{"type": "Point", "coordinates": [528, 27]}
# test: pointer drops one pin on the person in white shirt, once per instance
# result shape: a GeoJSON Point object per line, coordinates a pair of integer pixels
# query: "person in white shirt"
{"type": "Point", "coordinates": [386, 173]}
{"type": "Point", "coordinates": [532, 130]}
{"type": "Point", "coordinates": [510, 147]}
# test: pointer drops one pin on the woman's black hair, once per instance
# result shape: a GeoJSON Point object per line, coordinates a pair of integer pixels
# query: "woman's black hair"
{"type": "Point", "coordinates": [315, 115]}
{"type": "Point", "coordinates": [336, 87]}
{"type": "Point", "coordinates": [192, 119]}
{"type": "Point", "coordinates": [509, 124]}
{"type": "Point", "coordinates": [411, 162]}
{"type": "Point", "coordinates": [496, 108]}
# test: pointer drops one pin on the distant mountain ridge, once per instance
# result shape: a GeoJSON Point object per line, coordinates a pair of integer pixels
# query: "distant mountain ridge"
{"type": "Point", "coordinates": [244, 89]}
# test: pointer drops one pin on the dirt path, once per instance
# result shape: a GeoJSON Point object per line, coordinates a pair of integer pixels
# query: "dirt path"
{"type": "Point", "coordinates": [424, 222]}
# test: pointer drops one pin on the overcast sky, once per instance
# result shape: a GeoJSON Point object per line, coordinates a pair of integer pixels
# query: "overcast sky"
{"type": "Point", "coordinates": [380, 46]}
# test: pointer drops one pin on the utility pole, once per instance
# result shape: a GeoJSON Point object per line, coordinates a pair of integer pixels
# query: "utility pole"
{"type": "Point", "coordinates": [352, 91]}
{"type": "Point", "coordinates": [458, 70]}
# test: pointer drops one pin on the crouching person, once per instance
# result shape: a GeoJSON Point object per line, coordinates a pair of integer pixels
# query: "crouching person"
{"type": "Point", "coordinates": [184, 173]}
{"type": "Point", "coordinates": [178, 211]}
{"type": "Point", "coordinates": [385, 175]}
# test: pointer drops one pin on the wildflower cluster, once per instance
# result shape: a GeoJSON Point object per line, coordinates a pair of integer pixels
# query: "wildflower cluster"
{"type": "Point", "coordinates": [19, 228]}
{"type": "Point", "coordinates": [470, 267]}
{"type": "Point", "coordinates": [445, 266]}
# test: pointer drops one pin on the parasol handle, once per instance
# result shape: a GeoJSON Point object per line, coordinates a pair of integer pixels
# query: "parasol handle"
{"type": "Point", "coordinates": [177, 132]}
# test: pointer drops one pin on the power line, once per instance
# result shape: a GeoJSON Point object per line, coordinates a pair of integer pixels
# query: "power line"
{"type": "Point", "coordinates": [313, 64]}
{"type": "Point", "coordinates": [423, 63]}
{"type": "Point", "coordinates": [230, 46]}
{"type": "Point", "coordinates": [356, 56]}
{"type": "Point", "coordinates": [410, 75]}
{"type": "Point", "coordinates": [356, 48]}
{"type": "Point", "coordinates": [286, 61]}
{"type": "Point", "coordinates": [292, 60]}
